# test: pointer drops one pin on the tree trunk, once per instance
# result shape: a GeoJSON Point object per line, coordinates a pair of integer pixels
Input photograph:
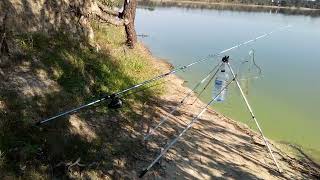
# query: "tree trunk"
{"type": "Point", "coordinates": [128, 14]}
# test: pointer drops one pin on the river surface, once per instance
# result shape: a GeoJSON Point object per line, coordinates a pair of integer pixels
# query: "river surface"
{"type": "Point", "coordinates": [285, 97]}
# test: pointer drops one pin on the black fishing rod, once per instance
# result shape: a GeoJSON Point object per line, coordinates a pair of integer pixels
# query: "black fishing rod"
{"type": "Point", "coordinates": [115, 101]}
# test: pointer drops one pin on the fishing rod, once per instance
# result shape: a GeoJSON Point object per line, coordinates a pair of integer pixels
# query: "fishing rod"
{"type": "Point", "coordinates": [215, 70]}
{"type": "Point", "coordinates": [115, 101]}
{"type": "Point", "coordinates": [194, 120]}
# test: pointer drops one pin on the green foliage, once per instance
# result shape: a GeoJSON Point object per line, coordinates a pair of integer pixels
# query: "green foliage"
{"type": "Point", "coordinates": [285, 3]}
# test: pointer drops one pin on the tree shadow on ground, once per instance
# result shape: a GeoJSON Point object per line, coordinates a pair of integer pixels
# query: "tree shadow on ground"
{"type": "Point", "coordinates": [219, 145]}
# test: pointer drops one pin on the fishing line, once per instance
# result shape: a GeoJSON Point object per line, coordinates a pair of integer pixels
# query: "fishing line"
{"type": "Point", "coordinates": [164, 119]}
{"type": "Point", "coordinates": [254, 62]}
{"type": "Point", "coordinates": [116, 95]}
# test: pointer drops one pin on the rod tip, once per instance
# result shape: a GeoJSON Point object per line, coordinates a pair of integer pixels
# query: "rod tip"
{"type": "Point", "coordinates": [143, 173]}
{"type": "Point", "coordinates": [38, 123]}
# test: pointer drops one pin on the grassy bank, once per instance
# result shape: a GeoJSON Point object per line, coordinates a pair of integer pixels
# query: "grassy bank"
{"type": "Point", "coordinates": [51, 74]}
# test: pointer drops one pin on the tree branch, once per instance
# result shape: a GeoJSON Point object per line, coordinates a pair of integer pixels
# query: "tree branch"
{"type": "Point", "coordinates": [110, 19]}
{"type": "Point", "coordinates": [107, 10]}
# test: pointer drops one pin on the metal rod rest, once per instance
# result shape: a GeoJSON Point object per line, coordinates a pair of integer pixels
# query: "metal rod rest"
{"type": "Point", "coordinates": [253, 117]}
{"type": "Point", "coordinates": [184, 130]}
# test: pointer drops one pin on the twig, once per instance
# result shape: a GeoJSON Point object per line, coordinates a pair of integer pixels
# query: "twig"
{"type": "Point", "coordinates": [69, 165]}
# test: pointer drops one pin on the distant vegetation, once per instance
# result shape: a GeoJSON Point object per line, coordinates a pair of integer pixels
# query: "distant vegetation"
{"type": "Point", "coordinates": [245, 5]}
{"type": "Point", "coordinates": [313, 4]}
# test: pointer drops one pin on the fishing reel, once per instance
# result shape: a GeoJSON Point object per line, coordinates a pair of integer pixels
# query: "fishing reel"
{"type": "Point", "coordinates": [115, 102]}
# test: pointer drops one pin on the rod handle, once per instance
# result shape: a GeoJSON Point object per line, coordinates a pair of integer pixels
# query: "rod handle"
{"type": "Point", "coordinates": [143, 173]}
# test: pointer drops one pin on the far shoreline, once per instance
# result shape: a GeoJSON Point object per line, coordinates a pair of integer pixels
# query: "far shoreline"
{"type": "Point", "coordinates": [232, 4]}
{"type": "Point", "coordinates": [202, 4]}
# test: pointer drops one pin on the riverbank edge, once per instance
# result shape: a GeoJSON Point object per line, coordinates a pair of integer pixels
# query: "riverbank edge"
{"type": "Point", "coordinates": [287, 150]}
{"type": "Point", "coordinates": [202, 2]}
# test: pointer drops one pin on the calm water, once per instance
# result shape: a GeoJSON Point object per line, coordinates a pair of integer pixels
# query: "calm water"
{"type": "Point", "coordinates": [286, 98]}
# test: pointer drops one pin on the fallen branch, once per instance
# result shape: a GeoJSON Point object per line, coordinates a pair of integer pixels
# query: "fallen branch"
{"type": "Point", "coordinates": [69, 165]}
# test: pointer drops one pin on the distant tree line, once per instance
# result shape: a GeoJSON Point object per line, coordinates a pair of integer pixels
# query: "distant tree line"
{"type": "Point", "coordinates": [152, 4]}
{"type": "Point", "coordinates": [314, 4]}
